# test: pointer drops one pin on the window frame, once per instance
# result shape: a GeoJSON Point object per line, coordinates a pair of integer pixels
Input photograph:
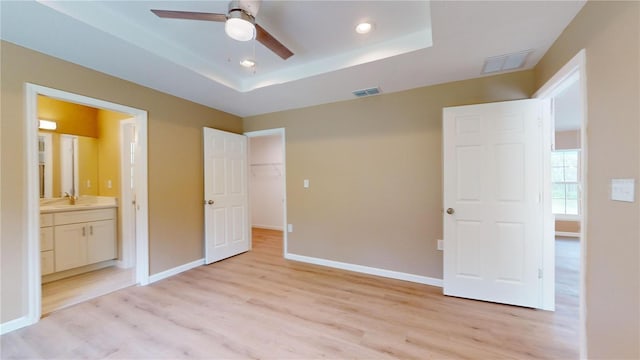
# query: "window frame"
{"type": "Point", "coordinates": [578, 183]}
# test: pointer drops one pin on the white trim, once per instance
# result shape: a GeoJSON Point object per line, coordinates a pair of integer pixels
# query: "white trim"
{"type": "Point", "coordinates": [577, 64]}
{"type": "Point", "coordinates": [34, 296]}
{"type": "Point", "coordinates": [278, 131]}
{"type": "Point", "coordinates": [32, 233]}
{"type": "Point", "coordinates": [176, 270]}
{"type": "Point", "coordinates": [14, 324]}
{"type": "Point", "coordinates": [568, 234]}
{"type": "Point", "coordinates": [366, 270]}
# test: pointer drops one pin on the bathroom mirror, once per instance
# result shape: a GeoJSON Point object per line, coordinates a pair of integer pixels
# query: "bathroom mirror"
{"type": "Point", "coordinates": [67, 164]}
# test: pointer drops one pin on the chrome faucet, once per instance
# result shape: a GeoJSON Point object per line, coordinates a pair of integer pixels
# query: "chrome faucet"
{"type": "Point", "coordinates": [72, 199]}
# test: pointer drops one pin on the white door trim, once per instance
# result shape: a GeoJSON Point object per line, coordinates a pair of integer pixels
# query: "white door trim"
{"type": "Point", "coordinates": [33, 205]}
{"type": "Point", "coordinates": [577, 65]}
{"type": "Point", "coordinates": [278, 131]}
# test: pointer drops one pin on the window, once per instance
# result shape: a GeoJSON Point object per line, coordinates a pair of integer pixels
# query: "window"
{"type": "Point", "coordinates": [565, 175]}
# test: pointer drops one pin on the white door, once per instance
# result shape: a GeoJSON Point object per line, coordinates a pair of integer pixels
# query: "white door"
{"type": "Point", "coordinates": [493, 202]}
{"type": "Point", "coordinates": [226, 218]}
{"type": "Point", "coordinates": [128, 149]}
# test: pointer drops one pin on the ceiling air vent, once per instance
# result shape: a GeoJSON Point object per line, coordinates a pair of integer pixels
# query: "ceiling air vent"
{"type": "Point", "coordinates": [367, 92]}
{"type": "Point", "coordinates": [505, 62]}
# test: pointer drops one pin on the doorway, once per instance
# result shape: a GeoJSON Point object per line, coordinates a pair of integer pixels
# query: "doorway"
{"type": "Point", "coordinates": [139, 249]}
{"type": "Point", "coordinates": [565, 245]}
{"type": "Point", "coordinates": [267, 182]}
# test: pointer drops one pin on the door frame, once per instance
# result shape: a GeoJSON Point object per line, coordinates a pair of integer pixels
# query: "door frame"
{"type": "Point", "coordinates": [575, 66]}
{"type": "Point", "coordinates": [34, 296]}
{"type": "Point", "coordinates": [281, 132]}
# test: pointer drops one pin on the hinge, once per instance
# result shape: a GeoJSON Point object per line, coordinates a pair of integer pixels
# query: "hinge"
{"type": "Point", "coordinates": [539, 273]}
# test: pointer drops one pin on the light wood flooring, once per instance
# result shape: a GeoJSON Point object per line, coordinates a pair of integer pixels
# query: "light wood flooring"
{"type": "Point", "coordinates": [258, 305]}
{"type": "Point", "coordinates": [62, 293]}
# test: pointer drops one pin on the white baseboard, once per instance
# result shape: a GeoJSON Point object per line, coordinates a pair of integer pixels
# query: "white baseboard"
{"type": "Point", "coordinates": [366, 270]}
{"type": "Point", "coordinates": [267, 227]}
{"type": "Point", "coordinates": [15, 324]}
{"type": "Point", "coordinates": [175, 271]}
{"type": "Point", "coordinates": [567, 234]}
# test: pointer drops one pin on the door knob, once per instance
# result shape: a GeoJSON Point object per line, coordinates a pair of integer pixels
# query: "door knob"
{"type": "Point", "coordinates": [210, 202]}
{"type": "Point", "coordinates": [450, 211]}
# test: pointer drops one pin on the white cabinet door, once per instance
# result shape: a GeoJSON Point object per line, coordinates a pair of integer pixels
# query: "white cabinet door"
{"type": "Point", "coordinates": [225, 192]}
{"type": "Point", "coordinates": [46, 262]}
{"type": "Point", "coordinates": [101, 244]}
{"type": "Point", "coordinates": [492, 186]}
{"type": "Point", "coordinates": [70, 246]}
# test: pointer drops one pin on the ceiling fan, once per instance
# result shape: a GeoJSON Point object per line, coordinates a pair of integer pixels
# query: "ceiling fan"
{"type": "Point", "coordinates": [239, 22]}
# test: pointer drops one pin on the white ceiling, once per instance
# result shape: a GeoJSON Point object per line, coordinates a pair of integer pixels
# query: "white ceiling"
{"type": "Point", "coordinates": [414, 44]}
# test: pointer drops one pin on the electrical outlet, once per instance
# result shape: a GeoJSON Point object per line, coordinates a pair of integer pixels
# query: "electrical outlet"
{"type": "Point", "coordinates": [440, 245]}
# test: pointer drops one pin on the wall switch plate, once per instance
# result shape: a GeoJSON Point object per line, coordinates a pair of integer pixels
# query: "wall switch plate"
{"type": "Point", "coordinates": [289, 227]}
{"type": "Point", "coordinates": [440, 245]}
{"type": "Point", "coordinates": [623, 190]}
{"type": "Point", "coordinates": [306, 183]}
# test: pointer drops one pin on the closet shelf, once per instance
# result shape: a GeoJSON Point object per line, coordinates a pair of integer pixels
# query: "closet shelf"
{"type": "Point", "coordinates": [275, 166]}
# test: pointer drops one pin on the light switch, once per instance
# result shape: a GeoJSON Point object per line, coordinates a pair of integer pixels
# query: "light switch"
{"type": "Point", "coordinates": [289, 227]}
{"type": "Point", "coordinates": [306, 183]}
{"type": "Point", "coordinates": [623, 190]}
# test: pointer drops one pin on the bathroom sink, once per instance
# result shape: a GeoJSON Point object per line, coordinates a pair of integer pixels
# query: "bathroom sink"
{"type": "Point", "coordinates": [83, 202]}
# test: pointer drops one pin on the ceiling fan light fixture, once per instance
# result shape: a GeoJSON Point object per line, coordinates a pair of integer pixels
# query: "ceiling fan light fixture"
{"type": "Point", "coordinates": [364, 28]}
{"type": "Point", "coordinates": [240, 26]}
{"type": "Point", "coordinates": [248, 63]}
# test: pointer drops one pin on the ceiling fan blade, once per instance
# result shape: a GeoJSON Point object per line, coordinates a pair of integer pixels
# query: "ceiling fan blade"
{"type": "Point", "coordinates": [190, 15]}
{"type": "Point", "coordinates": [271, 43]}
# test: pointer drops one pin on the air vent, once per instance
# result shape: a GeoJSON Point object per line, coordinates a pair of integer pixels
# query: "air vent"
{"type": "Point", "coordinates": [367, 92]}
{"type": "Point", "coordinates": [505, 62]}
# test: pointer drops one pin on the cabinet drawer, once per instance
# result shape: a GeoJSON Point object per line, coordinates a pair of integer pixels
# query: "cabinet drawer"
{"type": "Point", "coordinates": [46, 238]}
{"type": "Point", "coordinates": [46, 262]}
{"type": "Point", "coordinates": [73, 217]}
{"type": "Point", "coordinates": [46, 220]}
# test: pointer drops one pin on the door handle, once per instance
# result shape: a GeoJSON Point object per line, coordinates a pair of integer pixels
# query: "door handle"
{"type": "Point", "coordinates": [450, 211]}
{"type": "Point", "coordinates": [210, 202]}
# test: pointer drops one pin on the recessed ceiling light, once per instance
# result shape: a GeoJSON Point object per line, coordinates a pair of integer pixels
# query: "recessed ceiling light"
{"type": "Point", "coordinates": [364, 28]}
{"type": "Point", "coordinates": [248, 63]}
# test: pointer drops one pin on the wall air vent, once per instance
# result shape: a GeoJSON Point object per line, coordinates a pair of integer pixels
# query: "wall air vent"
{"type": "Point", "coordinates": [367, 92]}
{"type": "Point", "coordinates": [505, 62]}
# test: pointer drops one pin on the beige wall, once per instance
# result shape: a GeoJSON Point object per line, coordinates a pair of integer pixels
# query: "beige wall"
{"type": "Point", "coordinates": [175, 163]}
{"type": "Point", "coordinates": [375, 172]}
{"type": "Point", "coordinates": [568, 226]}
{"type": "Point", "coordinates": [610, 33]}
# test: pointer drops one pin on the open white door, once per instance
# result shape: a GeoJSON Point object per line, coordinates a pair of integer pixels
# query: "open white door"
{"type": "Point", "coordinates": [493, 229]}
{"type": "Point", "coordinates": [226, 218]}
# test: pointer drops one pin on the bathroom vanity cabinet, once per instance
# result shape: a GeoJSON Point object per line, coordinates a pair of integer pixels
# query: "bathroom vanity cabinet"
{"type": "Point", "coordinates": [71, 239]}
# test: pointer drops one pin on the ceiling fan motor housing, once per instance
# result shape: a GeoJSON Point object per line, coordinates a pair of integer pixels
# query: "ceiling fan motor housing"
{"type": "Point", "coordinates": [249, 8]}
